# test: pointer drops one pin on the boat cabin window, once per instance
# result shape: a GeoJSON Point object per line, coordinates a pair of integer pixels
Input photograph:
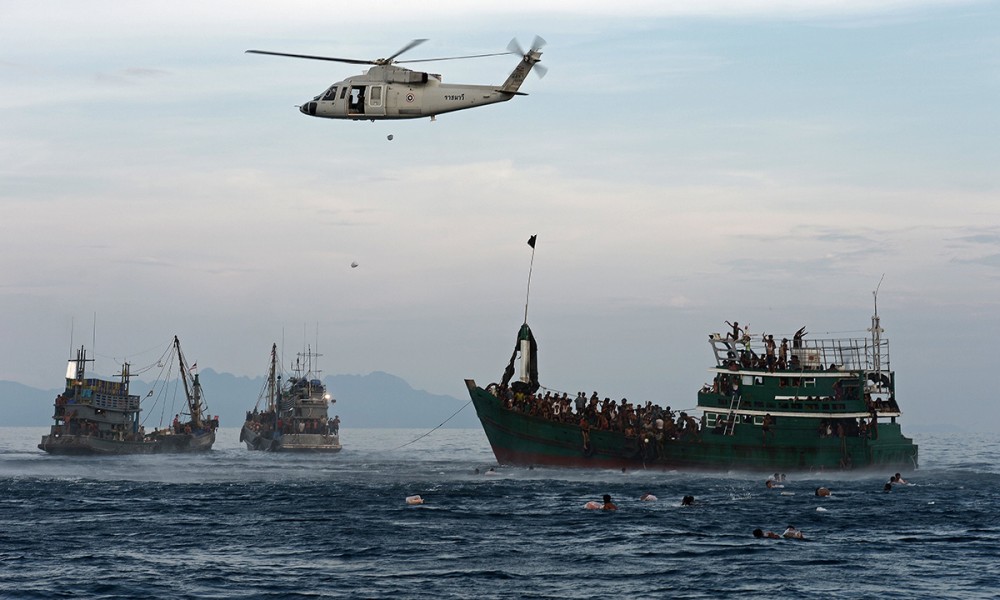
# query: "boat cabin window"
{"type": "Point", "coordinates": [758, 380]}
{"type": "Point", "coordinates": [809, 382]}
{"type": "Point", "coordinates": [748, 380]}
{"type": "Point", "coordinates": [331, 94]}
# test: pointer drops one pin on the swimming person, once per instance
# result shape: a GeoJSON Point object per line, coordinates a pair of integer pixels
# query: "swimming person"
{"type": "Point", "coordinates": [822, 491]}
{"type": "Point", "coordinates": [760, 533]}
{"type": "Point", "coordinates": [608, 504]}
{"type": "Point", "coordinates": [647, 497]}
{"type": "Point", "coordinates": [687, 501]}
{"type": "Point", "coordinates": [793, 534]}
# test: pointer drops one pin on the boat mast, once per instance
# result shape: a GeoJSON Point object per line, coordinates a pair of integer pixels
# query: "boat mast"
{"type": "Point", "coordinates": [126, 376]}
{"type": "Point", "coordinates": [876, 331]}
{"type": "Point", "coordinates": [272, 386]}
{"type": "Point", "coordinates": [193, 400]}
{"type": "Point", "coordinates": [527, 293]}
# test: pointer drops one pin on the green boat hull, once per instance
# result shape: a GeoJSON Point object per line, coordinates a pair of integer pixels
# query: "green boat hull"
{"type": "Point", "coordinates": [792, 445]}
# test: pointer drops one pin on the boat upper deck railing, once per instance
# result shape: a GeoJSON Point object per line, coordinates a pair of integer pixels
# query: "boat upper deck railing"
{"type": "Point", "coordinates": [118, 403]}
{"type": "Point", "coordinates": [844, 354]}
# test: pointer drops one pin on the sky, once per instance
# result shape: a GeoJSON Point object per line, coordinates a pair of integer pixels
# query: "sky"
{"type": "Point", "coordinates": [682, 164]}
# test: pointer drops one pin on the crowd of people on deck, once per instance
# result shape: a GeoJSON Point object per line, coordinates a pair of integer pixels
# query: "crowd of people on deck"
{"type": "Point", "coordinates": [650, 422]}
{"type": "Point", "coordinates": [73, 424]}
{"type": "Point", "coordinates": [268, 422]}
{"type": "Point", "coordinates": [178, 427]}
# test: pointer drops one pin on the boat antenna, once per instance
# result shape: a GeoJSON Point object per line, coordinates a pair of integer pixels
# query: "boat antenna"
{"type": "Point", "coordinates": [531, 242]}
{"type": "Point", "coordinates": [72, 324]}
{"type": "Point", "coordinates": [93, 337]}
{"type": "Point", "coordinates": [876, 330]}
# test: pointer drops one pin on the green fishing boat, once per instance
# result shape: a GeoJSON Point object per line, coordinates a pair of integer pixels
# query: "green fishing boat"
{"type": "Point", "coordinates": [772, 405]}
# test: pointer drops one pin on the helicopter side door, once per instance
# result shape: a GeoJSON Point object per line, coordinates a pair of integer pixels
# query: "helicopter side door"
{"type": "Point", "coordinates": [356, 100]}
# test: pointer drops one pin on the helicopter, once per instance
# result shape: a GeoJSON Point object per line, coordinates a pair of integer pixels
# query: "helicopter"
{"type": "Point", "coordinates": [387, 91]}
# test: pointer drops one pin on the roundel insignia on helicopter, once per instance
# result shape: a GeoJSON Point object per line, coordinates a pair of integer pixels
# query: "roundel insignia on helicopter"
{"type": "Point", "coordinates": [378, 93]}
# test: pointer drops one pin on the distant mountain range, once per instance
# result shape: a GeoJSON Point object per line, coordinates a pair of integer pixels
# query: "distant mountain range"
{"type": "Point", "coordinates": [363, 401]}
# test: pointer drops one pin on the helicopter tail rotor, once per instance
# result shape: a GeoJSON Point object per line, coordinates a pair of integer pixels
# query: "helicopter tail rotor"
{"type": "Point", "coordinates": [529, 60]}
{"type": "Point", "coordinates": [532, 55]}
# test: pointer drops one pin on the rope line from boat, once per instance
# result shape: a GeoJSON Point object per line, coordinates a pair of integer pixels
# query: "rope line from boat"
{"type": "Point", "coordinates": [435, 429]}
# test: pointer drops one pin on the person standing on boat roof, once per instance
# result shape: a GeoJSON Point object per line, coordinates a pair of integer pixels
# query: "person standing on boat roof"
{"type": "Point", "coordinates": [769, 347]}
{"type": "Point", "coordinates": [783, 354]}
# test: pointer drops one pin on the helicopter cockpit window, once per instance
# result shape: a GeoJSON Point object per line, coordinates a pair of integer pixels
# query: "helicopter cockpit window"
{"type": "Point", "coordinates": [331, 94]}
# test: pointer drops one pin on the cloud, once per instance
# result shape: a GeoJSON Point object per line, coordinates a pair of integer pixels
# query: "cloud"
{"type": "Point", "coordinates": [991, 260]}
{"type": "Point", "coordinates": [130, 76]}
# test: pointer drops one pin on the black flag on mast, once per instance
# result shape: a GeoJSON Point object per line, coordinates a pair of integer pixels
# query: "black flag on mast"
{"type": "Point", "coordinates": [531, 242]}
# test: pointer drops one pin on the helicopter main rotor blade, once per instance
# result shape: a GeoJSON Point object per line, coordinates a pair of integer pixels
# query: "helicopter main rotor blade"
{"type": "Point", "coordinates": [409, 46]}
{"type": "Point", "coordinates": [539, 43]}
{"type": "Point", "coordinates": [398, 62]}
{"type": "Point", "coordinates": [514, 48]}
{"type": "Point", "coordinates": [351, 61]}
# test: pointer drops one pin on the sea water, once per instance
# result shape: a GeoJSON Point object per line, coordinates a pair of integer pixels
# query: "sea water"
{"type": "Point", "coordinates": [237, 524]}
